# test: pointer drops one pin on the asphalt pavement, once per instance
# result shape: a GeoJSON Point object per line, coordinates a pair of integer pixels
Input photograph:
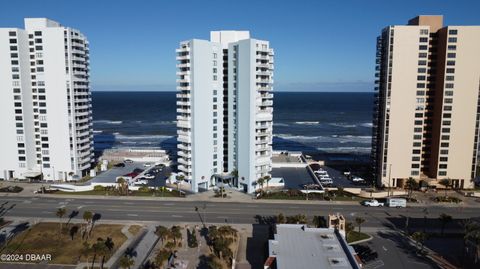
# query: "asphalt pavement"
{"type": "Point", "coordinates": [215, 212]}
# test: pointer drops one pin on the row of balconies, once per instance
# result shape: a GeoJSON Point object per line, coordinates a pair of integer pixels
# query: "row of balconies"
{"type": "Point", "coordinates": [180, 95]}
{"type": "Point", "coordinates": [185, 169]}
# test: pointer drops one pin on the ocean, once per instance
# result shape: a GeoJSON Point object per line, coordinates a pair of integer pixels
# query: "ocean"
{"type": "Point", "coordinates": [309, 122]}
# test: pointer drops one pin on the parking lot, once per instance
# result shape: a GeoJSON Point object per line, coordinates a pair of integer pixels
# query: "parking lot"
{"type": "Point", "coordinates": [393, 252]}
{"type": "Point", "coordinates": [294, 177]}
{"type": "Point", "coordinates": [110, 175]}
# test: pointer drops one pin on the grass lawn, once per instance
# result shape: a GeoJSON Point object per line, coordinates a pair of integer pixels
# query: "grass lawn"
{"type": "Point", "coordinates": [45, 238]}
{"type": "Point", "coordinates": [134, 229]}
{"type": "Point", "coordinates": [354, 236]}
{"type": "Point", "coordinates": [173, 193]}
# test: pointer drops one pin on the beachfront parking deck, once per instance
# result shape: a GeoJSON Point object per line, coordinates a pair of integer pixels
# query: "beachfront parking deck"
{"type": "Point", "coordinates": [294, 177]}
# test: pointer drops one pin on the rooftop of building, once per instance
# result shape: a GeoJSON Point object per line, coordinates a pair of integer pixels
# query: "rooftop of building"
{"type": "Point", "coordinates": [297, 246]}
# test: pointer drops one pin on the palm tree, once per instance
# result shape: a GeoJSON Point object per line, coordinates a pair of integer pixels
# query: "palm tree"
{"type": "Point", "coordinates": [446, 182]}
{"type": "Point", "coordinates": [126, 262]}
{"type": "Point", "coordinates": [162, 232]}
{"type": "Point", "coordinates": [411, 184]}
{"type": "Point", "coordinates": [61, 212]}
{"type": "Point", "coordinates": [176, 233]}
{"type": "Point", "coordinates": [419, 237]}
{"type": "Point", "coordinates": [108, 249]}
{"type": "Point", "coordinates": [121, 185]}
{"type": "Point", "coordinates": [261, 181]}
{"type": "Point", "coordinates": [267, 179]}
{"type": "Point", "coordinates": [280, 218]}
{"type": "Point", "coordinates": [87, 217]}
{"type": "Point", "coordinates": [444, 219]}
{"type": "Point", "coordinates": [349, 227]}
{"type": "Point", "coordinates": [85, 250]}
{"type": "Point", "coordinates": [359, 222]}
{"type": "Point", "coordinates": [98, 248]}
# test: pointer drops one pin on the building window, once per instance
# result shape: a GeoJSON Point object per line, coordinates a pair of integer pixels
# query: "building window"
{"type": "Point", "coordinates": [442, 173]}
{"type": "Point", "coordinates": [452, 32]}
{"type": "Point", "coordinates": [452, 39]}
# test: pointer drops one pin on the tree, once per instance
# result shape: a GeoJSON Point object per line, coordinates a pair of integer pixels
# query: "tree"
{"type": "Point", "coordinates": [87, 217]}
{"type": "Point", "coordinates": [359, 222]}
{"type": "Point", "coordinates": [267, 179]}
{"type": "Point", "coordinates": [297, 219]}
{"type": "Point", "coordinates": [108, 247]}
{"type": "Point", "coordinates": [318, 221]}
{"type": "Point", "coordinates": [98, 248]}
{"type": "Point", "coordinates": [162, 232]}
{"type": "Point", "coordinates": [411, 184]}
{"type": "Point", "coordinates": [162, 256]}
{"type": "Point", "coordinates": [126, 262]}
{"type": "Point", "coordinates": [444, 219]}
{"type": "Point", "coordinates": [446, 182]}
{"type": "Point", "coordinates": [176, 233]}
{"type": "Point", "coordinates": [121, 185]}
{"type": "Point", "coordinates": [419, 237]}
{"type": "Point", "coordinates": [349, 227]}
{"type": "Point", "coordinates": [61, 212]}
{"type": "Point", "coordinates": [261, 181]}
{"type": "Point", "coordinates": [280, 218]}
{"type": "Point", "coordinates": [85, 250]}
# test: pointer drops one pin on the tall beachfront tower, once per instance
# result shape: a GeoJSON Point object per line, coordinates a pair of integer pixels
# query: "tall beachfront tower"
{"type": "Point", "coordinates": [224, 110]}
{"type": "Point", "coordinates": [426, 115]}
{"type": "Point", "coordinates": [45, 102]}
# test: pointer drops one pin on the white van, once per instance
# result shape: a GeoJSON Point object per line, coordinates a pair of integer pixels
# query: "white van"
{"type": "Point", "coordinates": [396, 202]}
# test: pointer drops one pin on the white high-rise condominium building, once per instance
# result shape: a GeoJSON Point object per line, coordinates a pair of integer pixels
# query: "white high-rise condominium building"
{"type": "Point", "coordinates": [224, 110]}
{"type": "Point", "coordinates": [45, 102]}
{"type": "Point", "coordinates": [427, 103]}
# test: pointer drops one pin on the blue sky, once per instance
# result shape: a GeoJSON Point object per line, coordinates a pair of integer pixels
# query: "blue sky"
{"type": "Point", "coordinates": [319, 45]}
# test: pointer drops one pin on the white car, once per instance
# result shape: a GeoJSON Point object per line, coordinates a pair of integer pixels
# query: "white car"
{"type": "Point", "coordinates": [358, 179]}
{"type": "Point", "coordinates": [373, 202]}
{"type": "Point", "coordinates": [149, 176]}
{"type": "Point", "coordinates": [321, 172]}
{"type": "Point", "coordinates": [147, 165]}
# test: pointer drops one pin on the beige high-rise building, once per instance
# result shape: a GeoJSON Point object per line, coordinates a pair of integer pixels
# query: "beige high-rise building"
{"type": "Point", "coordinates": [426, 114]}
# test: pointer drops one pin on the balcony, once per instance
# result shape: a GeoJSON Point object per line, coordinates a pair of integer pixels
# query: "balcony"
{"type": "Point", "coordinates": [184, 110]}
{"type": "Point", "coordinates": [184, 124]}
{"type": "Point", "coordinates": [183, 57]}
{"type": "Point", "coordinates": [184, 161]}
{"type": "Point", "coordinates": [267, 103]}
{"type": "Point", "coordinates": [183, 80]}
{"type": "Point", "coordinates": [183, 88]}
{"type": "Point", "coordinates": [183, 65]}
{"type": "Point", "coordinates": [184, 147]}
{"type": "Point", "coordinates": [180, 95]}
{"type": "Point", "coordinates": [183, 133]}
{"type": "Point", "coordinates": [182, 103]}
{"type": "Point", "coordinates": [184, 168]}
{"type": "Point", "coordinates": [180, 73]}
{"type": "Point", "coordinates": [184, 139]}
{"type": "Point", "coordinates": [183, 154]}
{"type": "Point", "coordinates": [185, 49]}
{"type": "Point", "coordinates": [263, 159]}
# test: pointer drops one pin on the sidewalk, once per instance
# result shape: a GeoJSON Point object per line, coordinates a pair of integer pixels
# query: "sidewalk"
{"type": "Point", "coordinates": [233, 196]}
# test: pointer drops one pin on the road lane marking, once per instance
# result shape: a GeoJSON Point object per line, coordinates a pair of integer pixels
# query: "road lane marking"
{"type": "Point", "coordinates": [132, 215]}
{"type": "Point", "coordinates": [176, 216]}
{"type": "Point", "coordinates": [252, 205]}
{"type": "Point", "coordinates": [384, 248]}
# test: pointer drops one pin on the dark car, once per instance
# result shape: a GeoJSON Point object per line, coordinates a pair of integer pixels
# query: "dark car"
{"type": "Point", "coordinates": [120, 165]}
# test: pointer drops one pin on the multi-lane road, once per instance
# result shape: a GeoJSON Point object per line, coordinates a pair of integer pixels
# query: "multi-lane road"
{"type": "Point", "coordinates": [214, 212]}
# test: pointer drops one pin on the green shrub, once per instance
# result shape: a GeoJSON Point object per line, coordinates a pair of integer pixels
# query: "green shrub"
{"type": "Point", "coordinates": [99, 188]}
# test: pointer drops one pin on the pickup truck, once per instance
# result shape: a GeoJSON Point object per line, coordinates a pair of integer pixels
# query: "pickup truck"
{"type": "Point", "coordinates": [372, 202]}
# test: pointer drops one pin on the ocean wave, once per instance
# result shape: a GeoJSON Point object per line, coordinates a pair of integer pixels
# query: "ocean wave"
{"type": "Point", "coordinates": [164, 122]}
{"type": "Point", "coordinates": [307, 122]}
{"type": "Point", "coordinates": [343, 125]}
{"type": "Point", "coordinates": [97, 131]}
{"type": "Point", "coordinates": [141, 137]}
{"type": "Point", "coordinates": [363, 139]}
{"type": "Point", "coordinates": [281, 124]}
{"type": "Point", "coordinates": [108, 121]}
{"type": "Point", "coordinates": [346, 149]}
{"type": "Point", "coordinates": [367, 124]}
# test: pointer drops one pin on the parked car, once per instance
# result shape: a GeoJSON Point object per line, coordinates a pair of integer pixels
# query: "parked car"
{"type": "Point", "coordinates": [372, 202]}
{"type": "Point", "coordinates": [326, 181]}
{"type": "Point", "coordinates": [147, 164]}
{"type": "Point", "coordinates": [346, 173]}
{"type": "Point", "coordinates": [358, 179]}
{"type": "Point", "coordinates": [128, 161]}
{"type": "Point", "coordinates": [119, 165]}
{"type": "Point", "coordinates": [149, 176]}
{"type": "Point", "coordinates": [397, 202]}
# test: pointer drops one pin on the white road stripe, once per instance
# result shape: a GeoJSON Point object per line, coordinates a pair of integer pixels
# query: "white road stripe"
{"type": "Point", "coordinates": [176, 216]}
{"type": "Point", "coordinates": [132, 215]}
